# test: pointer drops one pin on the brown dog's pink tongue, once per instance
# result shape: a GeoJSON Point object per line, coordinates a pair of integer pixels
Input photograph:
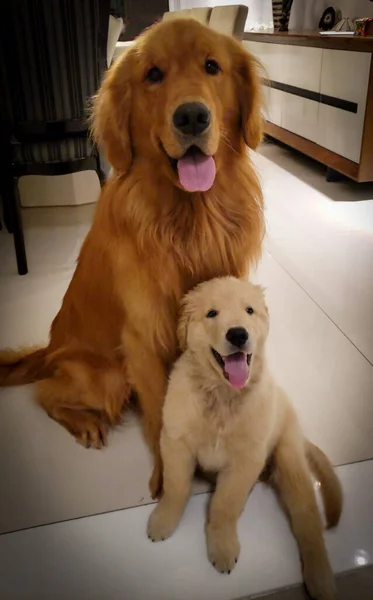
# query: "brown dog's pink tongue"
{"type": "Point", "coordinates": [237, 369]}
{"type": "Point", "coordinates": [196, 172]}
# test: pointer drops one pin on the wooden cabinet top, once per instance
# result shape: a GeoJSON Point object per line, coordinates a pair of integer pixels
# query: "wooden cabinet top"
{"type": "Point", "coordinates": [312, 38]}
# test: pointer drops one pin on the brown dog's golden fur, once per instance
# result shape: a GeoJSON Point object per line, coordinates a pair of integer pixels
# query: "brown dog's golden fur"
{"type": "Point", "coordinates": [151, 241]}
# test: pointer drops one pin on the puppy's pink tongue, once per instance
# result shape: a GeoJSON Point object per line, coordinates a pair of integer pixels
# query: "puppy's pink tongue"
{"type": "Point", "coordinates": [196, 172]}
{"type": "Point", "coordinates": [237, 369]}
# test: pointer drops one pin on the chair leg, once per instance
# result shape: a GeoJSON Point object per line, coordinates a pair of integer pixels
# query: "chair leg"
{"type": "Point", "coordinates": [13, 222]}
{"type": "Point", "coordinates": [7, 217]}
{"type": "Point", "coordinates": [6, 178]}
{"type": "Point", "coordinates": [19, 240]}
{"type": "Point", "coordinates": [99, 171]}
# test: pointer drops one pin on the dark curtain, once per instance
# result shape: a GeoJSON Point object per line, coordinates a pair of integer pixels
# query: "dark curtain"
{"type": "Point", "coordinates": [140, 14]}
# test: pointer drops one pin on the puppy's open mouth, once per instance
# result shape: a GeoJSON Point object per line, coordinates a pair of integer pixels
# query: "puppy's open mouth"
{"type": "Point", "coordinates": [196, 170]}
{"type": "Point", "coordinates": [235, 367]}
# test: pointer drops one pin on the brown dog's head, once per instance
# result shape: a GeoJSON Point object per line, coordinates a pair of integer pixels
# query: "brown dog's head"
{"type": "Point", "coordinates": [224, 323]}
{"type": "Point", "coordinates": [183, 97]}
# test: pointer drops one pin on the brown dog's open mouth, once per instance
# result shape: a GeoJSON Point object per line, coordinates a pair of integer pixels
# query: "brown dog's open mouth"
{"type": "Point", "coordinates": [196, 170]}
{"type": "Point", "coordinates": [235, 367]}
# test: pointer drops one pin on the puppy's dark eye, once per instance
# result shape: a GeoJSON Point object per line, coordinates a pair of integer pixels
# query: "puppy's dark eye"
{"type": "Point", "coordinates": [154, 75]}
{"type": "Point", "coordinates": [212, 67]}
{"type": "Point", "coordinates": [212, 314]}
{"type": "Point", "coordinates": [249, 310]}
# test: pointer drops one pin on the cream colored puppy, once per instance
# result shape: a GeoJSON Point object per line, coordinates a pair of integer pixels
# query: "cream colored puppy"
{"type": "Point", "coordinates": [224, 412]}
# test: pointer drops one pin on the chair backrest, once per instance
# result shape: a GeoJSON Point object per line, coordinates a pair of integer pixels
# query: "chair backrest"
{"type": "Point", "coordinates": [229, 19]}
{"type": "Point", "coordinates": [53, 58]}
{"type": "Point", "coordinates": [199, 14]}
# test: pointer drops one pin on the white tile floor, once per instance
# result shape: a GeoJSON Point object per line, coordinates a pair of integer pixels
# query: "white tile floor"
{"type": "Point", "coordinates": [317, 268]}
{"type": "Point", "coordinates": [109, 557]}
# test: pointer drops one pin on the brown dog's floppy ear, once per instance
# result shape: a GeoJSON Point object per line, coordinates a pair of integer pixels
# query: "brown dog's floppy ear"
{"type": "Point", "coordinates": [248, 71]}
{"type": "Point", "coordinates": [111, 115]}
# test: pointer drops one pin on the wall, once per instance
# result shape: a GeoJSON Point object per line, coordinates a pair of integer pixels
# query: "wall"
{"type": "Point", "coordinates": [305, 14]}
{"type": "Point", "coordinates": [260, 11]}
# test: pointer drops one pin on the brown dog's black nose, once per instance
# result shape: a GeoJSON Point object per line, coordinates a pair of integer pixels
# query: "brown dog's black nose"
{"type": "Point", "coordinates": [192, 118]}
{"type": "Point", "coordinates": [237, 336]}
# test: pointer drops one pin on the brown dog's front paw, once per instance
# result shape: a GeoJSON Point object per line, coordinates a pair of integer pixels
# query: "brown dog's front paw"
{"type": "Point", "coordinates": [162, 522]}
{"type": "Point", "coordinates": [90, 429]}
{"type": "Point", "coordinates": [223, 547]}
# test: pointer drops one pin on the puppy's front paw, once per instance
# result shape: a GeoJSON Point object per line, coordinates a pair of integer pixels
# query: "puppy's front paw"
{"type": "Point", "coordinates": [320, 582]}
{"type": "Point", "coordinates": [223, 547]}
{"type": "Point", "coordinates": [162, 522]}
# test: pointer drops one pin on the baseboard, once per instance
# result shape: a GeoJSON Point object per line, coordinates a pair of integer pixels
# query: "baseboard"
{"type": "Point", "coordinates": [353, 585]}
{"type": "Point", "coordinates": [322, 155]}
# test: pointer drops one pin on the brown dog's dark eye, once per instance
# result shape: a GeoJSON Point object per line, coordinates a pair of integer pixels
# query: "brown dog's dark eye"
{"type": "Point", "coordinates": [250, 310]}
{"type": "Point", "coordinates": [212, 314]}
{"type": "Point", "coordinates": [212, 67]}
{"type": "Point", "coordinates": [154, 75]}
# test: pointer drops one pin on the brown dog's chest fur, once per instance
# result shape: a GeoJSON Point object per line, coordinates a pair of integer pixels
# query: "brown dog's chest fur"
{"type": "Point", "coordinates": [149, 244]}
{"type": "Point", "coordinates": [179, 241]}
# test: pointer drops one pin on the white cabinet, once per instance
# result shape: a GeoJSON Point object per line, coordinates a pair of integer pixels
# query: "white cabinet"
{"type": "Point", "coordinates": [344, 76]}
{"type": "Point", "coordinates": [317, 93]}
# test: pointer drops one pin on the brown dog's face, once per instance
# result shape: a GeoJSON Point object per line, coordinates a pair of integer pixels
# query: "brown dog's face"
{"type": "Point", "coordinates": [224, 323]}
{"type": "Point", "coordinates": [184, 97]}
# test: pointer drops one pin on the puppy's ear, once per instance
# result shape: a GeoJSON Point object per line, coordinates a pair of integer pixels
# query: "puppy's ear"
{"type": "Point", "coordinates": [263, 291]}
{"type": "Point", "coordinates": [111, 115]}
{"type": "Point", "coordinates": [185, 316]}
{"type": "Point", "coordinates": [248, 76]}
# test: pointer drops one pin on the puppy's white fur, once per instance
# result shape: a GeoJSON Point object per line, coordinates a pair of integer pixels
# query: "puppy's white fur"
{"type": "Point", "coordinates": [235, 432]}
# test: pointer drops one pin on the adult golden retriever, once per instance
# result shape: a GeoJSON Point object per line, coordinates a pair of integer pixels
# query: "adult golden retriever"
{"type": "Point", "coordinates": [224, 411]}
{"type": "Point", "coordinates": [175, 115]}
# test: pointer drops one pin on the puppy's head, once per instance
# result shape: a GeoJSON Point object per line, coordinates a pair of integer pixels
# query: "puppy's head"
{"type": "Point", "coordinates": [184, 97]}
{"type": "Point", "coordinates": [224, 323]}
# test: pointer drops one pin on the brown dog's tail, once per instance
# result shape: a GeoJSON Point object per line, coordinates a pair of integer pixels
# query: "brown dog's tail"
{"type": "Point", "coordinates": [23, 366]}
{"type": "Point", "coordinates": [330, 486]}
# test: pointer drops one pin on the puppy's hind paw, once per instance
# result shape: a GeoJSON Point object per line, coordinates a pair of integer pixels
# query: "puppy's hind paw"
{"type": "Point", "coordinates": [320, 585]}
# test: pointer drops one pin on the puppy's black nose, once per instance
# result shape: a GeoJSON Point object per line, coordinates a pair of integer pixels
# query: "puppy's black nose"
{"type": "Point", "coordinates": [237, 336]}
{"type": "Point", "coordinates": [192, 118]}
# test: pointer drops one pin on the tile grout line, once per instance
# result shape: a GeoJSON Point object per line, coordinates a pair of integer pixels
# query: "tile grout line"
{"type": "Point", "coordinates": [97, 514]}
{"type": "Point", "coordinates": [147, 503]}
{"type": "Point", "coordinates": [318, 305]}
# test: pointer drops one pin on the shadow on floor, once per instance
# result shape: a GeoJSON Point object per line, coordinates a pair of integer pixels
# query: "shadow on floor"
{"type": "Point", "coordinates": [313, 173]}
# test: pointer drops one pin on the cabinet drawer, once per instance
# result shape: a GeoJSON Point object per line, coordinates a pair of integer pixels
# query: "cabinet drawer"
{"type": "Point", "coordinates": [271, 57]}
{"type": "Point", "coordinates": [273, 100]}
{"type": "Point", "coordinates": [344, 86]}
{"type": "Point", "coordinates": [302, 67]}
{"type": "Point", "coordinates": [300, 116]}
{"type": "Point", "coordinates": [345, 75]}
{"type": "Point", "coordinates": [340, 131]}
{"type": "Point", "coordinates": [292, 65]}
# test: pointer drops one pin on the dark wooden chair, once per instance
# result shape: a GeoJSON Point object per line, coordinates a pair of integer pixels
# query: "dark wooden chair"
{"type": "Point", "coordinates": [53, 56]}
